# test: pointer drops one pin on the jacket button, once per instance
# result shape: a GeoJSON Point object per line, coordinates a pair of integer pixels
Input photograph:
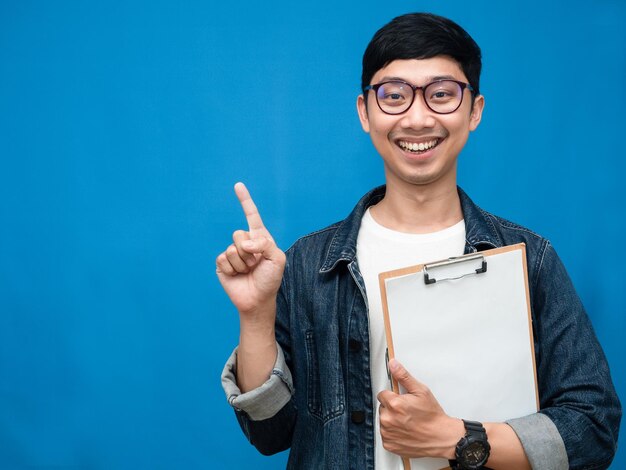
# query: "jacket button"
{"type": "Point", "coordinates": [354, 345]}
{"type": "Point", "coordinates": [358, 417]}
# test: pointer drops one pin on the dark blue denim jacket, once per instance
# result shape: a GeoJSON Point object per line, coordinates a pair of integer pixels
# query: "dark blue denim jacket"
{"type": "Point", "coordinates": [322, 329]}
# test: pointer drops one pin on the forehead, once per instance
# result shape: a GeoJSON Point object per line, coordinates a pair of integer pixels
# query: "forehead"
{"type": "Point", "coordinates": [421, 71]}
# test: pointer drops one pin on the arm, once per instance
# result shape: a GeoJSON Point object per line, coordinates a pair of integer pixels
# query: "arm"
{"type": "Point", "coordinates": [575, 386]}
{"type": "Point", "coordinates": [250, 271]}
{"type": "Point", "coordinates": [256, 382]}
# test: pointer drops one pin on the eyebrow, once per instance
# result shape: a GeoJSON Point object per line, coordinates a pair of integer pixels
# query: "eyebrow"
{"type": "Point", "coordinates": [430, 79]}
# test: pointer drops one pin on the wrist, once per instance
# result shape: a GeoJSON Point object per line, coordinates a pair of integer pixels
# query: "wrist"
{"type": "Point", "coordinates": [257, 332]}
{"type": "Point", "coordinates": [455, 432]}
{"type": "Point", "coordinates": [262, 316]}
{"type": "Point", "coordinates": [473, 449]}
{"type": "Point", "coordinates": [259, 336]}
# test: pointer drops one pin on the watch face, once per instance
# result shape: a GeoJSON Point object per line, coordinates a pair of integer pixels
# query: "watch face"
{"type": "Point", "coordinates": [474, 453]}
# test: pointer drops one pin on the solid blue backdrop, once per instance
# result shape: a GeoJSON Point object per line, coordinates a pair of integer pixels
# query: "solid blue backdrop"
{"type": "Point", "coordinates": [123, 127]}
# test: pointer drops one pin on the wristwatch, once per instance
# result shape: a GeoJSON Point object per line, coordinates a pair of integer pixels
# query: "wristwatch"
{"type": "Point", "coordinates": [472, 451]}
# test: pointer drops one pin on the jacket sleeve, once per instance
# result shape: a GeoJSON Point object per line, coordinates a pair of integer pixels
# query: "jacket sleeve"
{"type": "Point", "coordinates": [541, 441]}
{"type": "Point", "coordinates": [575, 387]}
{"type": "Point", "coordinates": [266, 414]}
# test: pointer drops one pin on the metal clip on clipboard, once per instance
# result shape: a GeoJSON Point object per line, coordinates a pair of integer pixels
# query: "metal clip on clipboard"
{"type": "Point", "coordinates": [455, 260]}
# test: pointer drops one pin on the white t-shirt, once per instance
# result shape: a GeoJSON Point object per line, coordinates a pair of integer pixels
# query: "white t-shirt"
{"type": "Point", "coordinates": [380, 249]}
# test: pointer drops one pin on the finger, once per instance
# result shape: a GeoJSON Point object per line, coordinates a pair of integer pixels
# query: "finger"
{"type": "Point", "coordinates": [239, 237]}
{"type": "Point", "coordinates": [249, 208]}
{"type": "Point", "coordinates": [223, 266]}
{"type": "Point", "coordinates": [410, 384]}
{"type": "Point", "coordinates": [265, 247]}
{"type": "Point", "coordinates": [385, 397]}
{"type": "Point", "coordinates": [238, 264]}
{"type": "Point", "coordinates": [386, 419]}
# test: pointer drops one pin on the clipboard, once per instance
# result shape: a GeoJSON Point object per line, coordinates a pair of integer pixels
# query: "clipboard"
{"type": "Point", "coordinates": [463, 327]}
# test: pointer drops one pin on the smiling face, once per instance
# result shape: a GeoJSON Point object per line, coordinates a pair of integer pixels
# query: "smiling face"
{"type": "Point", "coordinates": [420, 147]}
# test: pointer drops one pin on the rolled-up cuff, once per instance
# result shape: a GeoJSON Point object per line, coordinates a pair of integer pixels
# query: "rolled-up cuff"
{"type": "Point", "coordinates": [541, 441]}
{"type": "Point", "coordinates": [264, 401]}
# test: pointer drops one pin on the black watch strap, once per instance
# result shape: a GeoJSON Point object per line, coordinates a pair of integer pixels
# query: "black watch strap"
{"type": "Point", "coordinates": [454, 465]}
{"type": "Point", "coordinates": [476, 439]}
{"type": "Point", "coordinates": [474, 426]}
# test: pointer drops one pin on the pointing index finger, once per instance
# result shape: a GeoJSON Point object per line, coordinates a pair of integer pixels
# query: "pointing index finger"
{"type": "Point", "coordinates": [249, 208]}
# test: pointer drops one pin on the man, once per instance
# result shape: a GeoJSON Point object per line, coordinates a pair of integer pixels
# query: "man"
{"type": "Point", "coordinates": [309, 372]}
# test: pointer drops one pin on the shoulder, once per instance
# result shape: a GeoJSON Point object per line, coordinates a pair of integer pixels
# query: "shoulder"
{"type": "Point", "coordinates": [337, 242]}
{"type": "Point", "coordinates": [538, 248]}
{"type": "Point", "coordinates": [314, 244]}
{"type": "Point", "coordinates": [485, 228]}
{"type": "Point", "coordinates": [512, 232]}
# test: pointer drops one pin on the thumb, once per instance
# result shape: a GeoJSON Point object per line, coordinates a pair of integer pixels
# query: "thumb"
{"type": "Point", "coordinates": [410, 384]}
{"type": "Point", "coordinates": [264, 246]}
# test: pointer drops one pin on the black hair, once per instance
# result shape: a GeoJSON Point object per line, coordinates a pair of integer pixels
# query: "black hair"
{"type": "Point", "coordinates": [422, 36]}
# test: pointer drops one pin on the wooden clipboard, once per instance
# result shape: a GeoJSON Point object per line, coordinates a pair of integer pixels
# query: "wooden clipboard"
{"type": "Point", "coordinates": [463, 327]}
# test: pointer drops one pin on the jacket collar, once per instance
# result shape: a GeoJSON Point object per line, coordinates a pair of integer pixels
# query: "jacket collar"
{"type": "Point", "coordinates": [480, 233]}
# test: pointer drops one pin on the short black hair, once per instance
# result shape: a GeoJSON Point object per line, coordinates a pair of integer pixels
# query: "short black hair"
{"type": "Point", "coordinates": [422, 36]}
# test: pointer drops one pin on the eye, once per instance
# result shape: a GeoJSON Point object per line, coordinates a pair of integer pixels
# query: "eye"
{"type": "Point", "coordinates": [441, 95]}
{"type": "Point", "coordinates": [394, 94]}
{"type": "Point", "coordinates": [442, 91]}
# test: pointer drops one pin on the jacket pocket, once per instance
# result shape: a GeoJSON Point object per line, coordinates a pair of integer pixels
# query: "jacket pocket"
{"type": "Point", "coordinates": [325, 389]}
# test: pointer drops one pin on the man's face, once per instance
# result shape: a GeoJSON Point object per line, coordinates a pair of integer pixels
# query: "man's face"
{"type": "Point", "coordinates": [446, 134]}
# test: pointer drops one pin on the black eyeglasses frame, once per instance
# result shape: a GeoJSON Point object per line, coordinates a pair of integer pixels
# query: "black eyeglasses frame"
{"type": "Point", "coordinates": [462, 85]}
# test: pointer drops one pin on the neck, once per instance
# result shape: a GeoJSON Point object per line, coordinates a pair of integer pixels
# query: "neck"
{"type": "Point", "coordinates": [417, 209]}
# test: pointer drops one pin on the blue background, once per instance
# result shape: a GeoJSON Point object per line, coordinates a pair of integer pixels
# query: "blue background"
{"type": "Point", "coordinates": [123, 127]}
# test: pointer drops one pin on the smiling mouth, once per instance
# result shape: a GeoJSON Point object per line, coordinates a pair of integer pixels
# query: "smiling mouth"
{"type": "Point", "coordinates": [421, 147]}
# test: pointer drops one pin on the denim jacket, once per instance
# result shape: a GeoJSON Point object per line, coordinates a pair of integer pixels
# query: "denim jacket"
{"type": "Point", "coordinates": [318, 400]}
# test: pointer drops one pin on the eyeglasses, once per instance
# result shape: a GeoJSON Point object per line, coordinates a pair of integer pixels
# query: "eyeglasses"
{"type": "Point", "coordinates": [441, 96]}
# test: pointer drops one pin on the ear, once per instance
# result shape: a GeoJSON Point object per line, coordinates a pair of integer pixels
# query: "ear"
{"type": "Point", "coordinates": [477, 112]}
{"type": "Point", "coordinates": [362, 110]}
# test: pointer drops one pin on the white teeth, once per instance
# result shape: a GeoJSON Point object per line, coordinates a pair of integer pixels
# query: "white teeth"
{"type": "Point", "coordinates": [415, 147]}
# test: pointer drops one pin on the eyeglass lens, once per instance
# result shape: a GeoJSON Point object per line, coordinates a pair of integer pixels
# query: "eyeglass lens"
{"type": "Point", "coordinates": [443, 96]}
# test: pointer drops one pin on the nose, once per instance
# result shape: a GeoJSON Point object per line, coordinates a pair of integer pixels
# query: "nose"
{"type": "Point", "coordinates": [418, 116]}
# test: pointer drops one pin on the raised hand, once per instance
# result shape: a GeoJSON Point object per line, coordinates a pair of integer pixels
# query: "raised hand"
{"type": "Point", "coordinates": [251, 268]}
